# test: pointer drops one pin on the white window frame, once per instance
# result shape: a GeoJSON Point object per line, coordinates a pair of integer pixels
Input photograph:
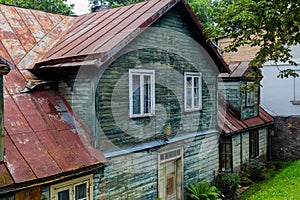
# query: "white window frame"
{"type": "Point", "coordinates": [193, 75]}
{"type": "Point", "coordinates": [250, 95]}
{"type": "Point", "coordinates": [71, 185]}
{"type": "Point", "coordinates": [142, 73]}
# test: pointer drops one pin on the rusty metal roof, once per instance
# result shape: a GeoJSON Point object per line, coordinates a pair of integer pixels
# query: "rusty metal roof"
{"type": "Point", "coordinates": [102, 34]}
{"type": "Point", "coordinates": [231, 124]}
{"type": "Point", "coordinates": [42, 139]}
{"type": "Point", "coordinates": [238, 70]}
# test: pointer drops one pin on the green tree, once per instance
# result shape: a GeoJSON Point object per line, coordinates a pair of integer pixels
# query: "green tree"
{"type": "Point", "coordinates": [273, 25]}
{"type": "Point", "coordinates": [112, 3]}
{"type": "Point", "coordinates": [54, 6]}
{"type": "Point", "coordinates": [207, 11]}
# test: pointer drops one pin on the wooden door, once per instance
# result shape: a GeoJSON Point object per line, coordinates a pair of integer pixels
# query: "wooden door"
{"type": "Point", "coordinates": [170, 180]}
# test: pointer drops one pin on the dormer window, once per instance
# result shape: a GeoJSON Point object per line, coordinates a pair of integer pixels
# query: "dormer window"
{"type": "Point", "coordinates": [141, 93]}
{"type": "Point", "coordinates": [250, 95]}
{"type": "Point", "coordinates": [192, 91]}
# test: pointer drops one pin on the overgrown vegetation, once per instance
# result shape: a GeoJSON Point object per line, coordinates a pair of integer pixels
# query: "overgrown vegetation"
{"type": "Point", "coordinates": [283, 182]}
{"type": "Point", "coordinates": [202, 191]}
{"type": "Point", "coordinates": [255, 170]}
{"type": "Point", "coordinates": [228, 184]}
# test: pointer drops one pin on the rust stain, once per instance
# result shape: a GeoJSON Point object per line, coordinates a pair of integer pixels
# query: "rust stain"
{"type": "Point", "coordinates": [16, 164]}
{"type": "Point", "coordinates": [20, 29]}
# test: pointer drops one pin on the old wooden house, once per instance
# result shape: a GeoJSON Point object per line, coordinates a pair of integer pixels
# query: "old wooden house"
{"type": "Point", "coordinates": [119, 104]}
{"type": "Point", "coordinates": [246, 127]}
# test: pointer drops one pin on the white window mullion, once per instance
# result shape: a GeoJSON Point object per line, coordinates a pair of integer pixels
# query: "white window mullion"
{"type": "Point", "coordinates": [142, 94]}
{"type": "Point", "coordinates": [193, 94]}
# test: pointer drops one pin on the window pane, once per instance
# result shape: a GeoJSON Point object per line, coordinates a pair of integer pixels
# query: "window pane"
{"type": "Point", "coordinates": [136, 94]}
{"type": "Point", "coordinates": [80, 192]}
{"type": "Point", "coordinates": [189, 92]}
{"type": "Point", "coordinates": [63, 195]}
{"type": "Point", "coordinates": [147, 94]}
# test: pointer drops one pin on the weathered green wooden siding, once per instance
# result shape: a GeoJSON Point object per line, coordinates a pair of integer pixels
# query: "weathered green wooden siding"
{"type": "Point", "coordinates": [104, 106]}
{"type": "Point", "coordinates": [134, 176]}
{"type": "Point", "coordinates": [263, 142]}
{"type": "Point", "coordinates": [112, 97]}
{"type": "Point", "coordinates": [240, 147]}
{"type": "Point", "coordinates": [231, 90]}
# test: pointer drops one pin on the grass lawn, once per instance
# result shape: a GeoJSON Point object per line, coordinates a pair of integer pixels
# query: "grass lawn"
{"type": "Point", "coordinates": [280, 184]}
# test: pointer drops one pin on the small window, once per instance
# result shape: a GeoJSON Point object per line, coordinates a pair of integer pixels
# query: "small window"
{"type": "Point", "coordinates": [253, 144]}
{"type": "Point", "coordinates": [192, 91]}
{"type": "Point", "coordinates": [250, 95]}
{"type": "Point", "coordinates": [141, 93]}
{"type": "Point", "coordinates": [226, 154]}
{"type": "Point", "coordinates": [77, 189]}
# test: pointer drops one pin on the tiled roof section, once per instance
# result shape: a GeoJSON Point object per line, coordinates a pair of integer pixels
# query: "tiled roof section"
{"type": "Point", "coordinates": [230, 124]}
{"type": "Point", "coordinates": [238, 69]}
{"type": "Point", "coordinates": [102, 34]}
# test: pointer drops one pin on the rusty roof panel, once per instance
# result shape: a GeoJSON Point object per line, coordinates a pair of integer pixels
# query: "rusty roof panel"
{"type": "Point", "coordinates": [31, 22]}
{"type": "Point", "coordinates": [18, 167]}
{"type": "Point", "coordinates": [75, 38]}
{"type": "Point", "coordinates": [55, 18]}
{"type": "Point", "coordinates": [20, 29]}
{"type": "Point", "coordinates": [44, 20]}
{"type": "Point", "coordinates": [4, 54]}
{"type": "Point", "coordinates": [14, 121]}
{"type": "Point", "coordinates": [45, 44]}
{"type": "Point", "coordinates": [10, 40]}
{"type": "Point", "coordinates": [66, 161]}
{"type": "Point", "coordinates": [41, 163]}
{"type": "Point", "coordinates": [14, 81]}
{"type": "Point", "coordinates": [230, 124]}
{"type": "Point", "coordinates": [26, 103]}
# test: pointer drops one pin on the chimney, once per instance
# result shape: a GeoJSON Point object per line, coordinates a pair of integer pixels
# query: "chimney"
{"type": "Point", "coordinates": [5, 68]}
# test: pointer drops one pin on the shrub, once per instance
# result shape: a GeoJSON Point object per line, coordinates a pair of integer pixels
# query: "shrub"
{"type": "Point", "coordinates": [256, 169]}
{"type": "Point", "coordinates": [202, 191]}
{"type": "Point", "coordinates": [228, 184]}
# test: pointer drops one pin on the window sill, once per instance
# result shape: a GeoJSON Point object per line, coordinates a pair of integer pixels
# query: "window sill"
{"type": "Point", "coordinates": [295, 102]}
{"type": "Point", "coordinates": [142, 116]}
{"type": "Point", "coordinates": [192, 110]}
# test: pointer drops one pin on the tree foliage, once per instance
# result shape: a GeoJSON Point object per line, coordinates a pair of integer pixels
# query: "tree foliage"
{"type": "Point", "coordinates": [207, 11]}
{"type": "Point", "coordinates": [273, 25]}
{"type": "Point", "coordinates": [54, 6]}
{"type": "Point", "coordinates": [112, 3]}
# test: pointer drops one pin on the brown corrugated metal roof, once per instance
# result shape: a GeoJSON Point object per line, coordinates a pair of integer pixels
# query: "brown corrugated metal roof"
{"type": "Point", "coordinates": [41, 138]}
{"type": "Point", "coordinates": [103, 34]}
{"type": "Point", "coordinates": [238, 70]}
{"type": "Point", "coordinates": [230, 124]}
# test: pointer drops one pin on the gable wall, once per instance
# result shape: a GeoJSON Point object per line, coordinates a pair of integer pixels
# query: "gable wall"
{"type": "Point", "coordinates": [104, 105]}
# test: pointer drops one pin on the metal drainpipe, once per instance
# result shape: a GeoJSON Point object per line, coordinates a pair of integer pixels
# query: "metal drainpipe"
{"type": "Point", "coordinates": [241, 150]}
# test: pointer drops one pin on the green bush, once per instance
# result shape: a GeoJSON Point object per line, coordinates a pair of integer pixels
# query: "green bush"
{"type": "Point", "coordinates": [228, 184]}
{"type": "Point", "coordinates": [256, 169]}
{"type": "Point", "coordinates": [202, 191]}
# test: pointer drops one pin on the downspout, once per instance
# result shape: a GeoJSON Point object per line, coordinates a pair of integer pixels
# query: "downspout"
{"type": "Point", "coordinates": [4, 69]}
{"type": "Point", "coordinates": [241, 150]}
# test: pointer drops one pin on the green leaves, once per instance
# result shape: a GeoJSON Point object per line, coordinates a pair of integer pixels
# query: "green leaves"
{"type": "Point", "coordinates": [202, 191]}
{"type": "Point", "coordinates": [55, 6]}
{"type": "Point", "coordinates": [273, 25]}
